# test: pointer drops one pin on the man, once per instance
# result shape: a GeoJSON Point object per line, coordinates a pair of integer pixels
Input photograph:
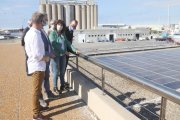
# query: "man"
{"type": "Point", "coordinates": [25, 31]}
{"type": "Point", "coordinates": [36, 62]}
{"type": "Point", "coordinates": [69, 35]}
{"type": "Point", "coordinates": [70, 30]}
{"type": "Point", "coordinates": [49, 52]}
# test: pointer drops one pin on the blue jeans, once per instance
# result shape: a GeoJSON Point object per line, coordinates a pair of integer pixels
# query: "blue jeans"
{"type": "Point", "coordinates": [58, 65]}
{"type": "Point", "coordinates": [46, 79]}
{"type": "Point", "coordinates": [62, 68]}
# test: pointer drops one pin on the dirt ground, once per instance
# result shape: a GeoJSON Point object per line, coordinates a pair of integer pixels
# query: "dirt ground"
{"type": "Point", "coordinates": [16, 91]}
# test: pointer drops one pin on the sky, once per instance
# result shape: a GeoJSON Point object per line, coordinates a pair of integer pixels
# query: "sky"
{"type": "Point", "coordinates": [15, 13]}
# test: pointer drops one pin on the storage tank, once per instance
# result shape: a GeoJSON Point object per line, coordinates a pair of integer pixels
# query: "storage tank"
{"type": "Point", "coordinates": [54, 12]}
{"type": "Point", "coordinates": [42, 8]}
{"type": "Point", "coordinates": [60, 11]}
{"type": "Point", "coordinates": [95, 16]}
{"type": "Point", "coordinates": [49, 12]}
{"type": "Point", "coordinates": [84, 21]}
{"type": "Point", "coordinates": [88, 16]}
{"type": "Point", "coordinates": [78, 16]}
{"type": "Point", "coordinates": [70, 13]}
{"type": "Point", "coordinates": [85, 12]}
{"type": "Point", "coordinates": [92, 16]}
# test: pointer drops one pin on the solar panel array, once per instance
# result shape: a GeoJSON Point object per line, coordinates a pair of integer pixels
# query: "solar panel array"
{"type": "Point", "coordinates": [161, 67]}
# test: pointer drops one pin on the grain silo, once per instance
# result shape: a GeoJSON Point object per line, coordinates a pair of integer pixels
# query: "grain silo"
{"type": "Point", "coordinates": [84, 11]}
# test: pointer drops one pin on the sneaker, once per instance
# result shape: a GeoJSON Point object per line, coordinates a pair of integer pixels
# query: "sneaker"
{"type": "Point", "coordinates": [66, 84]}
{"type": "Point", "coordinates": [43, 103]}
{"type": "Point", "coordinates": [62, 88]}
{"type": "Point", "coordinates": [43, 109]}
{"type": "Point", "coordinates": [48, 96]}
{"type": "Point", "coordinates": [40, 117]}
{"type": "Point", "coordinates": [56, 91]}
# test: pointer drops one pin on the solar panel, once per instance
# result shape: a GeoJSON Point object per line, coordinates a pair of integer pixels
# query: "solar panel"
{"type": "Point", "coordinates": [161, 67]}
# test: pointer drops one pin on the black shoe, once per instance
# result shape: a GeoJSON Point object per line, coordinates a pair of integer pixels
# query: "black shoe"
{"type": "Point", "coordinates": [56, 91]}
{"type": "Point", "coordinates": [49, 96]}
{"type": "Point", "coordinates": [66, 84]}
{"type": "Point", "coordinates": [43, 109]}
{"type": "Point", "coordinates": [40, 117]}
{"type": "Point", "coordinates": [62, 88]}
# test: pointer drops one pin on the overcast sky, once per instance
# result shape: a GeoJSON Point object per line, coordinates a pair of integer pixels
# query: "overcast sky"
{"type": "Point", "coordinates": [15, 13]}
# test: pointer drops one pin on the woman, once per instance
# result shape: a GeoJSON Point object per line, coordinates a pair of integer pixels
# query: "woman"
{"type": "Point", "coordinates": [60, 45]}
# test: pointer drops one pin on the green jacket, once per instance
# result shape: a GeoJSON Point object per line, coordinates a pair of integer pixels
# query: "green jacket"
{"type": "Point", "coordinates": [58, 46]}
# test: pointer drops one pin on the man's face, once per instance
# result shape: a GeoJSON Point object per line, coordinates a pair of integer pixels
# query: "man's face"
{"type": "Point", "coordinates": [74, 25]}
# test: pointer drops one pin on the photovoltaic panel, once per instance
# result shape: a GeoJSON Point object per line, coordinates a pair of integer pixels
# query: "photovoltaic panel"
{"type": "Point", "coordinates": [160, 67]}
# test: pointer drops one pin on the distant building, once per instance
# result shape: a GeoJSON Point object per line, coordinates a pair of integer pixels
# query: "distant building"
{"type": "Point", "coordinates": [110, 35]}
{"type": "Point", "coordinates": [85, 12]}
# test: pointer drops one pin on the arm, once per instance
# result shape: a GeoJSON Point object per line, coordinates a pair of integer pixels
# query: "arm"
{"type": "Point", "coordinates": [37, 48]}
{"type": "Point", "coordinates": [70, 47]}
{"type": "Point", "coordinates": [53, 39]}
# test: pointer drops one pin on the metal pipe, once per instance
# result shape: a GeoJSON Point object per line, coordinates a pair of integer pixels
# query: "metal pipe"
{"type": "Point", "coordinates": [163, 109]}
{"type": "Point", "coordinates": [77, 65]}
{"type": "Point", "coordinates": [103, 81]}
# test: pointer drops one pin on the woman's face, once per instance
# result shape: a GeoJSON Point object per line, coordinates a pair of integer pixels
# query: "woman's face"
{"type": "Point", "coordinates": [59, 27]}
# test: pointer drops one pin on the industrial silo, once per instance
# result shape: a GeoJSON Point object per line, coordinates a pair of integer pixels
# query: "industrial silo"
{"type": "Point", "coordinates": [78, 16]}
{"type": "Point", "coordinates": [84, 20]}
{"type": "Point", "coordinates": [69, 13]}
{"type": "Point", "coordinates": [95, 16]}
{"type": "Point", "coordinates": [85, 12]}
{"type": "Point", "coordinates": [60, 11]}
{"type": "Point", "coordinates": [49, 12]}
{"type": "Point", "coordinates": [42, 8]}
{"type": "Point", "coordinates": [54, 12]}
{"type": "Point", "coordinates": [92, 16]}
{"type": "Point", "coordinates": [88, 12]}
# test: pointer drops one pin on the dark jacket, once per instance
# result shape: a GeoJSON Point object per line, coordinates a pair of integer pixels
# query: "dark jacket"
{"type": "Point", "coordinates": [69, 34]}
{"type": "Point", "coordinates": [23, 35]}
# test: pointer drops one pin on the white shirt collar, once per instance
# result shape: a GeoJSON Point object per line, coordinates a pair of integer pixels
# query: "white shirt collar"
{"type": "Point", "coordinates": [71, 28]}
{"type": "Point", "coordinates": [34, 29]}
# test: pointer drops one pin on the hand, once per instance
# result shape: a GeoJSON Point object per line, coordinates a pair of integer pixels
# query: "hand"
{"type": "Point", "coordinates": [45, 58]}
{"type": "Point", "coordinates": [77, 52]}
{"type": "Point", "coordinates": [67, 53]}
{"type": "Point", "coordinates": [52, 55]}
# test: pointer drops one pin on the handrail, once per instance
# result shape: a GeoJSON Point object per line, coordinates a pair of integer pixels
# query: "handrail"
{"type": "Point", "coordinates": [167, 93]}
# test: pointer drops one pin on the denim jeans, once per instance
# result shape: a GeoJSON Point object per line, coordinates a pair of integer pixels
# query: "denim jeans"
{"type": "Point", "coordinates": [55, 70]}
{"type": "Point", "coordinates": [46, 79]}
{"type": "Point", "coordinates": [62, 69]}
{"type": "Point", "coordinates": [58, 65]}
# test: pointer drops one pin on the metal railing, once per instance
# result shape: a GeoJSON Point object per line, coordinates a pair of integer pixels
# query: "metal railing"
{"type": "Point", "coordinates": [157, 89]}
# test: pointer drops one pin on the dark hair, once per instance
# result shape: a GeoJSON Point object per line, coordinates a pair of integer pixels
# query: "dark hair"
{"type": "Point", "coordinates": [37, 17]}
{"type": "Point", "coordinates": [61, 22]}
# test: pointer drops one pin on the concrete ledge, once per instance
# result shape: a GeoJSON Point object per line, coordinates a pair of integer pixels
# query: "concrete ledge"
{"type": "Point", "coordinates": [102, 105]}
